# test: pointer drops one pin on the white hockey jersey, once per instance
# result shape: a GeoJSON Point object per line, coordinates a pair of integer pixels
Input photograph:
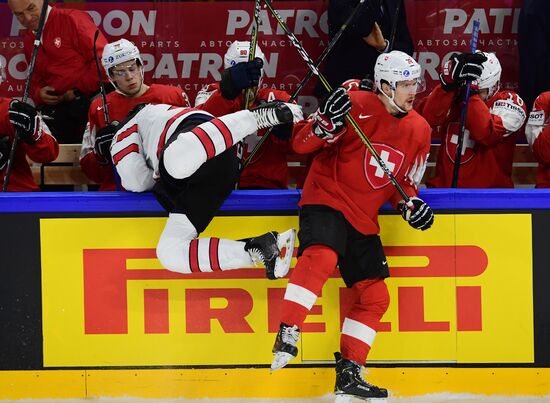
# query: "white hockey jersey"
{"type": "Point", "coordinates": [137, 145]}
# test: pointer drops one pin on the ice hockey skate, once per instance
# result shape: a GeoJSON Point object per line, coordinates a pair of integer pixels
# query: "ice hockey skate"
{"type": "Point", "coordinates": [350, 383]}
{"type": "Point", "coordinates": [285, 348]}
{"type": "Point", "coordinates": [274, 251]}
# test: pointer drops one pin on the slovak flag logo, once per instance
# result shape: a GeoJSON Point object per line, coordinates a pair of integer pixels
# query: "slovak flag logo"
{"type": "Point", "coordinates": [57, 42]}
{"type": "Point", "coordinates": [374, 173]}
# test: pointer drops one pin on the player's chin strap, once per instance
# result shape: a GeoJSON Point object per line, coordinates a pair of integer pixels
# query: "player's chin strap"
{"type": "Point", "coordinates": [392, 103]}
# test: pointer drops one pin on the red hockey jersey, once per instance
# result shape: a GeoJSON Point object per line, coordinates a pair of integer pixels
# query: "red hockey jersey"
{"type": "Point", "coordinates": [489, 138]}
{"type": "Point", "coordinates": [44, 150]}
{"type": "Point", "coordinates": [268, 169]}
{"type": "Point", "coordinates": [118, 106]}
{"type": "Point", "coordinates": [537, 132]}
{"type": "Point", "coordinates": [345, 175]}
{"type": "Point", "coordinates": [65, 58]}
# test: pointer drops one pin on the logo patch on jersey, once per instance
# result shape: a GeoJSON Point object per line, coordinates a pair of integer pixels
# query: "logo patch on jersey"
{"type": "Point", "coordinates": [374, 173]}
{"type": "Point", "coordinates": [536, 118]}
{"type": "Point", "coordinates": [451, 141]}
{"type": "Point", "coordinates": [57, 42]}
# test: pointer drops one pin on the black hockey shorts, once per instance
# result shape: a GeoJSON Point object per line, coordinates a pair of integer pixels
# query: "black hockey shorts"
{"type": "Point", "coordinates": [201, 195]}
{"type": "Point", "coordinates": [360, 257]}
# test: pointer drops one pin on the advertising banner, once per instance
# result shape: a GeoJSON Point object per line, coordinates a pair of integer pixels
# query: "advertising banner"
{"type": "Point", "coordinates": [460, 293]}
{"type": "Point", "coordinates": [183, 43]}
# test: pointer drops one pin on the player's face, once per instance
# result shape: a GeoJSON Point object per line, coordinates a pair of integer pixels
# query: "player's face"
{"type": "Point", "coordinates": [405, 93]}
{"type": "Point", "coordinates": [127, 77]}
{"type": "Point", "coordinates": [27, 12]}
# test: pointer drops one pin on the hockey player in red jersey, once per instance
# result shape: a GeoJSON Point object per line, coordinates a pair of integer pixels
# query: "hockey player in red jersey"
{"type": "Point", "coordinates": [343, 192]}
{"type": "Point", "coordinates": [537, 132]}
{"type": "Point", "coordinates": [38, 144]}
{"type": "Point", "coordinates": [186, 156]}
{"type": "Point", "coordinates": [268, 168]}
{"type": "Point", "coordinates": [493, 121]}
{"type": "Point", "coordinates": [124, 67]}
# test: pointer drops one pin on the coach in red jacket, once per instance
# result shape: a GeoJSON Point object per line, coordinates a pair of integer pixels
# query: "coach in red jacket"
{"type": "Point", "coordinates": [65, 76]}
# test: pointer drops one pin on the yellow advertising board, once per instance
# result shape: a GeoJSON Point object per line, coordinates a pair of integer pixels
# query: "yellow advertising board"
{"type": "Point", "coordinates": [460, 292]}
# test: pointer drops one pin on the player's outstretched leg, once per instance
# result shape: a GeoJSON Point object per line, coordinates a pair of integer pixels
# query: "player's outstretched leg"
{"type": "Point", "coordinates": [351, 384]}
{"type": "Point", "coordinates": [274, 250]}
{"type": "Point", "coordinates": [285, 348]}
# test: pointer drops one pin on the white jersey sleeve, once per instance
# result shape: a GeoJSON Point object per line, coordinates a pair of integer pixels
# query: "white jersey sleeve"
{"type": "Point", "coordinates": [538, 118]}
{"type": "Point", "coordinates": [204, 94]}
{"type": "Point", "coordinates": [129, 159]}
{"type": "Point", "coordinates": [511, 109]}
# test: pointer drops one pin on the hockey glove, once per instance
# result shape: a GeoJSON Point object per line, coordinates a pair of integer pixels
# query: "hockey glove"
{"type": "Point", "coordinates": [5, 147]}
{"type": "Point", "coordinates": [367, 84]}
{"type": "Point", "coordinates": [330, 118]}
{"type": "Point", "coordinates": [103, 140]}
{"type": "Point", "coordinates": [461, 67]}
{"type": "Point", "coordinates": [419, 216]}
{"type": "Point", "coordinates": [25, 119]}
{"type": "Point", "coordinates": [239, 77]}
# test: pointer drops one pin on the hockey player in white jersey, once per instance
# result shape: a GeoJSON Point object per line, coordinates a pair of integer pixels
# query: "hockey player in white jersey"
{"type": "Point", "coordinates": [186, 157]}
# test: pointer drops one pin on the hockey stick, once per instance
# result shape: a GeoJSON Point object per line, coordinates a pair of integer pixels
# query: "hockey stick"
{"type": "Point", "coordinates": [309, 74]}
{"type": "Point", "coordinates": [328, 87]}
{"type": "Point", "coordinates": [100, 77]}
{"type": "Point", "coordinates": [252, 50]}
{"type": "Point", "coordinates": [36, 44]}
{"type": "Point", "coordinates": [460, 142]}
{"type": "Point", "coordinates": [104, 101]}
{"type": "Point", "coordinates": [394, 26]}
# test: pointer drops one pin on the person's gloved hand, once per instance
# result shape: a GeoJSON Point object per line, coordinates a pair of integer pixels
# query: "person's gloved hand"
{"type": "Point", "coordinates": [5, 146]}
{"type": "Point", "coordinates": [419, 216]}
{"type": "Point", "coordinates": [103, 140]}
{"type": "Point", "coordinates": [25, 119]}
{"type": "Point", "coordinates": [461, 67]}
{"type": "Point", "coordinates": [330, 118]}
{"type": "Point", "coordinates": [239, 77]}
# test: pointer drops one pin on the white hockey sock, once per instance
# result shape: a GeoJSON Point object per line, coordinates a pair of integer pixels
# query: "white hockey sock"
{"type": "Point", "coordinates": [179, 251]}
{"type": "Point", "coordinates": [191, 149]}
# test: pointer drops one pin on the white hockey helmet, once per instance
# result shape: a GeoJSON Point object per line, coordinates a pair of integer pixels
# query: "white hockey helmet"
{"type": "Point", "coordinates": [238, 52]}
{"type": "Point", "coordinates": [393, 67]}
{"type": "Point", "coordinates": [490, 76]}
{"type": "Point", "coordinates": [2, 72]}
{"type": "Point", "coordinates": [119, 52]}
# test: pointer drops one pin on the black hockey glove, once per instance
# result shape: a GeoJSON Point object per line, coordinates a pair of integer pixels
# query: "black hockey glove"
{"type": "Point", "coordinates": [239, 77]}
{"type": "Point", "coordinates": [420, 216]}
{"type": "Point", "coordinates": [367, 83]}
{"type": "Point", "coordinates": [5, 146]}
{"type": "Point", "coordinates": [103, 140]}
{"type": "Point", "coordinates": [24, 117]}
{"type": "Point", "coordinates": [461, 67]}
{"type": "Point", "coordinates": [330, 118]}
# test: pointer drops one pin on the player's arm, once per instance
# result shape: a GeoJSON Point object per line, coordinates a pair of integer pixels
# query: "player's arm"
{"type": "Point", "coordinates": [129, 159]}
{"type": "Point", "coordinates": [537, 129]}
{"type": "Point", "coordinates": [41, 145]}
{"type": "Point", "coordinates": [326, 125]}
{"type": "Point", "coordinates": [490, 124]}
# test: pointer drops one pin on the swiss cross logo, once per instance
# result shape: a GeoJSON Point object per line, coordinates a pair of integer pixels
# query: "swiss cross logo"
{"type": "Point", "coordinates": [374, 173]}
{"type": "Point", "coordinates": [57, 42]}
{"type": "Point", "coordinates": [451, 142]}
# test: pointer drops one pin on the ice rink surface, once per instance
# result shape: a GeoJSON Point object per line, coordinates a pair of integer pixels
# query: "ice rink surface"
{"type": "Point", "coordinates": [434, 398]}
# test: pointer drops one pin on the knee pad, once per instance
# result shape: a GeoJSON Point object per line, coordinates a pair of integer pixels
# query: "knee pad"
{"type": "Point", "coordinates": [373, 295]}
